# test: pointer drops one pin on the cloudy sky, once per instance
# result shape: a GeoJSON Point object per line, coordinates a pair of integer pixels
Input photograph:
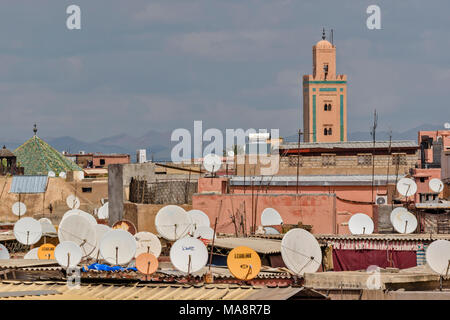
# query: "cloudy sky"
{"type": "Point", "coordinates": [158, 65]}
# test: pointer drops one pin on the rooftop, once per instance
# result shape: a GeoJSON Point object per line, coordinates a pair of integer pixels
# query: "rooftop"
{"type": "Point", "coordinates": [351, 145]}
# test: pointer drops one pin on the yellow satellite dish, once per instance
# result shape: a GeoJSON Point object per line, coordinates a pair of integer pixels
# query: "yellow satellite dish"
{"type": "Point", "coordinates": [244, 263]}
{"type": "Point", "coordinates": [46, 251]}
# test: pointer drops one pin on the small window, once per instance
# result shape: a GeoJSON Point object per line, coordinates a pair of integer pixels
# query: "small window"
{"type": "Point", "coordinates": [330, 132]}
{"type": "Point", "coordinates": [329, 107]}
{"type": "Point", "coordinates": [422, 179]}
{"type": "Point", "coordinates": [86, 189]}
{"type": "Point", "coordinates": [399, 159]}
{"type": "Point", "coordinates": [102, 162]}
{"type": "Point", "coordinates": [325, 107]}
{"type": "Point", "coordinates": [328, 160]}
{"type": "Point", "coordinates": [325, 131]}
{"type": "Point", "coordinates": [364, 159]}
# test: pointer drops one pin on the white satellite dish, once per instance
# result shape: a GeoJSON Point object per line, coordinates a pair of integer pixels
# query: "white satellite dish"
{"type": "Point", "coordinates": [204, 233]}
{"type": "Point", "coordinates": [405, 222]}
{"type": "Point", "coordinates": [19, 208]}
{"type": "Point", "coordinates": [47, 226]}
{"type": "Point", "coordinates": [32, 254]}
{"type": "Point", "coordinates": [27, 231]}
{"type": "Point", "coordinates": [51, 174]}
{"type": "Point", "coordinates": [147, 242]}
{"type": "Point", "coordinates": [188, 255]}
{"type": "Point", "coordinates": [118, 247]}
{"type": "Point", "coordinates": [103, 211]}
{"type": "Point", "coordinates": [212, 163]}
{"type": "Point", "coordinates": [172, 222]}
{"type": "Point", "coordinates": [62, 174]}
{"type": "Point", "coordinates": [270, 230]}
{"type": "Point", "coordinates": [100, 231]}
{"type": "Point", "coordinates": [80, 213]}
{"type": "Point", "coordinates": [79, 230]}
{"type": "Point", "coordinates": [230, 153]}
{"type": "Point", "coordinates": [271, 217]}
{"type": "Point", "coordinates": [406, 187]}
{"type": "Point", "coordinates": [73, 202]}
{"type": "Point", "coordinates": [436, 185]}
{"type": "Point", "coordinates": [199, 219]}
{"type": "Point", "coordinates": [360, 223]}
{"type": "Point", "coordinates": [395, 212]}
{"type": "Point", "coordinates": [4, 253]}
{"type": "Point", "coordinates": [68, 254]}
{"type": "Point", "coordinates": [300, 251]}
{"type": "Point", "coordinates": [438, 256]}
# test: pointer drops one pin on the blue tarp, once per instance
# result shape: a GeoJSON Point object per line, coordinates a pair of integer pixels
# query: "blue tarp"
{"type": "Point", "coordinates": [105, 267]}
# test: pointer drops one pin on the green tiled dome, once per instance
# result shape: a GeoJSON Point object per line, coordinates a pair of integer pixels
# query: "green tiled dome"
{"type": "Point", "coordinates": [38, 158]}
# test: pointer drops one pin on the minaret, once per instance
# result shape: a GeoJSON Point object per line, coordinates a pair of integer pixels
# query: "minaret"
{"type": "Point", "coordinates": [324, 97]}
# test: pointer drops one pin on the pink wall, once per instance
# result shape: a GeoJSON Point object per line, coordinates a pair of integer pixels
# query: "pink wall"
{"type": "Point", "coordinates": [315, 210]}
{"type": "Point", "coordinates": [428, 174]}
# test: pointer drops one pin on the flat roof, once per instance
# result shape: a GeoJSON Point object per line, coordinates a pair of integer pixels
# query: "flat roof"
{"type": "Point", "coordinates": [314, 180]}
{"type": "Point", "coordinates": [350, 145]}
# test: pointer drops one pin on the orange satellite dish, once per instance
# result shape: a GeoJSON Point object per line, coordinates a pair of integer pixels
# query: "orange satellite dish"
{"type": "Point", "coordinates": [146, 263]}
{"type": "Point", "coordinates": [46, 251]}
{"type": "Point", "coordinates": [244, 263]}
{"type": "Point", "coordinates": [125, 225]}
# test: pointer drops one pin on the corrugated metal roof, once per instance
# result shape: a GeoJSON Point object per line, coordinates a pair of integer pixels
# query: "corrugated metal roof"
{"type": "Point", "coordinates": [433, 205]}
{"type": "Point", "coordinates": [264, 246]}
{"type": "Point", "coordinates": [315, 180]}
{"type": "Point", "coordinates": [350, 145]}
{"type": "Point", "coordinates": [25, 263]}
{"type": "Point", "coordinates": [145, 291]}
{"type": "Point", "coordinates": [28, 184]}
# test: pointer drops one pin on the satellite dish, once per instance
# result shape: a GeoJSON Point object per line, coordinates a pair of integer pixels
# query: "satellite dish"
{"type": "Point", "coordinates": [204, 233]}
{"type": "Point", "coordinates": [244, 263]}
{"type": "Point", "coordinates": [172, 222]}
{"type": "Point", "coordinates": [406, 187]}
{"type": "Point", "coordinates": [68, 254]}
{"type": "Point", "coordinates": [188, 255]}
{"type": "Point", "coordinates": [62, 175]}
{"type": "Point", "coordinates": [405, 222]}
{"type": "Point", "coordinates": [125, 225]}
{"type": "Point", "coordinates": [46, 251]}
{"type": "Point", "coordinates": [147, 242]}
{"type": "Point", "coordinates": [360, 223]}
{"type": "Point", "coordinates": [300, 251]}
{"type": "Point", "coordinates": [212, 163]}
{"type": "Point", "coordinates": [27, 231]}
{"type": "Point", "coordinates": [100, 231]}
{"type": "Point", "coordinates": [230, 153]}
{"type": "Point", "coordinates": [51, 174]}
{"type": "Point", "coordinates": [32, 254]}
{"type": "Point", "coordinates": [146, 263]}
{"type": "Point", "coordinates": [199, 218]}
{"type": "Point", "coordinates": [103, 211]}
{"type": "Point", "coordinates": [270, 217]}
{"type": "Point", "coordinates": [118, 247]}
{"type": "Point", "coordinates": [270, 230]}
{"type": "Point", "coordinates": [436, 185]}
{"type": "Point", "coordinates": [47, 226]}
{"type": "Point", "coordinates": [73, 202]}
{"type": "Point", "coordinates": [79, 230]}
{"type": "Point", "coordinates": [4, 253]}
{"type": "Point", "coordinates": [19, 208]}
{"type": "Point", "coordinates": [438, 256]}
{"type": "Point", "coordinates": [80, 213]}
{"type": "Point", "coordinates": [395, 212]}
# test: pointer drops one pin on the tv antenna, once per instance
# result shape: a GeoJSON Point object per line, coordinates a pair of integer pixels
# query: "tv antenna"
{"type": "Point", "coordinates": [244, 263]}
{"type": "Point", "coordinates": [405, 222]}
{"type": "Point", "coordinates": [147, 242]}
{"type": "Point", "coordinates": [360, 223]}
{"type": "Point", "coordinates": [118, 247]}
{"type": "Point", "coordinates": [79, 230]}
{"type": "Point", "coordinates": [438, 258]}
{"type": "Point", "coordinates": [68, 254]}
{"type": "Point", "coordinates": [188, 255]}
{"type": "Point", "coordinates": [172, 222]}
{"type": "Point", "coordinates": [301, 252]}
{"type": "Point", "coordinates": [27, 231]}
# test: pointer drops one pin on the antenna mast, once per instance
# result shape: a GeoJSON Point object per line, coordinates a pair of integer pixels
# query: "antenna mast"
{"type": "Point", "coordinates": [373, 133]}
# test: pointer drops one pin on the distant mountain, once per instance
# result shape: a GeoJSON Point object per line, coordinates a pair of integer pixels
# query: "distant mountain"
{"type": "Point", "coordinates": [159, 146]}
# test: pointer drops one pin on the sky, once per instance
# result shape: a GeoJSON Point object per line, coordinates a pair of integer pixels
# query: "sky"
{"type": "Point", "coordinates": [147, 65]}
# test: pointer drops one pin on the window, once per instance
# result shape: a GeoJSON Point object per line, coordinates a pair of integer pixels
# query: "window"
{"type": "Point", "coordinates": [102, 162]}
{"type": "Point", "coordinates": [86, 189]}
{"type": "Point", "coordinates": [422, 179]}
{"type": "Point", "coordinates": [328, 160]}
{"type": "Point", "coordinates": [364, 159]}
{"type": "Point", "coordinates": [327, 107]}
{"type": "Point", "coordinates": [293, 160]}
{"type": "Point", "coordinates": [327, 132]}
{"type": "Point", "coordinates": [399, 159]}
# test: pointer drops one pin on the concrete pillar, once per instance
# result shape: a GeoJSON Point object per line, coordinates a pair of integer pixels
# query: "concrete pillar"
{"type": "Point", "coordinates": [115, 193]}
